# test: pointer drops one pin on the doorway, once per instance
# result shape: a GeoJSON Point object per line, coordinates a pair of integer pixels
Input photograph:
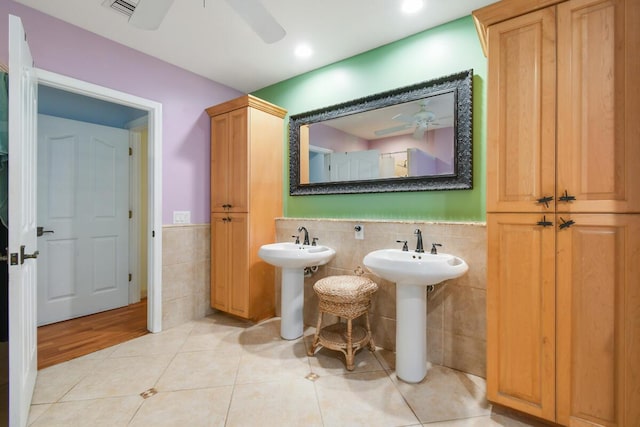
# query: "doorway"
{"type": "Point", "coordinates": [154, 176]}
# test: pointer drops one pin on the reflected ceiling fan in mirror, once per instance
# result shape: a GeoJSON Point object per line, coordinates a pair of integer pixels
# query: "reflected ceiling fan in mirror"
{"type": "Point", "coordinates": [420, 121]}
{"type": "Point", "coordinates": [148, 15]}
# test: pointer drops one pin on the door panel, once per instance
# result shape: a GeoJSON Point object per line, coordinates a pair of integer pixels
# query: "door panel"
{"type": "Point", "coordinates": [520, 314]}
{"type": "Point", "coordinates": [598, 150]}
{"type": "Point", "coordinates": [598, 350]}
{"type": "Point", "coordinates": [238, 161]}
{"type": "Point", "coordinates": [23, 105]}
{"type": "Point", "coordinates": [83, 191]}
{"type": "Point", "coordinates": [238, 247]}
{"type": "Point", "coordinates": [219, 261]}
{"type": "Point", "coordinates": [521, 113]}
{"type": "Point", "coordinates": [219, 163]}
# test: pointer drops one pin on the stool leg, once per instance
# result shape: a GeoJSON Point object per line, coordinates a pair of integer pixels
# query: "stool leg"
{"type": "Point", "coordinates": [349, 355]}
{"type": "Point", "coordinates": [371, 344]}
{"type": "Point", "coordinates": [316, 336]}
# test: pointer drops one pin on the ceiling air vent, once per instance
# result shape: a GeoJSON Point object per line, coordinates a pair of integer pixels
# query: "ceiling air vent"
{"type": "Point", "coordinates": [125, 7]}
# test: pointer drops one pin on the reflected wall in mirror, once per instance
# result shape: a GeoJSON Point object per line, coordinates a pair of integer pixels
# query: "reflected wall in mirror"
{"type": "Point", "coordinates": [409, 139]}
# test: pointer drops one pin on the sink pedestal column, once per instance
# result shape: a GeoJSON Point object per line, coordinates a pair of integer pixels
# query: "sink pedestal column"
{"type": "Point", "coordinates": [411, 332]}
{"type": "Point", "coordinates": [291, 303]}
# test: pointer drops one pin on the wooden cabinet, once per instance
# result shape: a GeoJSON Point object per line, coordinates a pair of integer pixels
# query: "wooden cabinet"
{"type": "Point", "coordinates": [521, 314]}
{"type": "Point", "coordinates": [247, 136]}
{"type": "Point", "coordinates": [598, 321]}
{"type": "Point", "coordinates": [561, 80]}
{"type": "Point", "coordinates": [563, 197]}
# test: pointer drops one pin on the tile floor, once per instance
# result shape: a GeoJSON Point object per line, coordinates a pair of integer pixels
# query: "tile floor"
{"type": "Point", "coordinates": [220, 371]}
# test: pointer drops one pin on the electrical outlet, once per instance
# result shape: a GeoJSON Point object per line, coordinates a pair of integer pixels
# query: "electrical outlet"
{"type": "Point", "coordinates": [359, 232]}
{"type": "Point", "coordinates": [182, 217]}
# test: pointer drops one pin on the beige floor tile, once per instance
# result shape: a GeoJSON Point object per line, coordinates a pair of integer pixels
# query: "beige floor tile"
{"type": "Point", "coordinates": [275, 404]}
{"type": "Point", "coordinates": [35, 411]}
{"type": "Point", "coordinates": [199, 369]}
{"type": "Point", "coordinates": [165, 342]}
{"type": "Point", "coordinates": [362, 399]}
{"type": "Point", "coordinates": [111, 412]}
{"type": "Point", "coordinates": [194, 408]}
{"type": "Point", "coordinates": [445, 394]}
{"type": "Point", "coordinates": [53, 382]}
{"type": "Point", "coordinates": [281, 360]}
{"type": "Point", "coordinates": [123, 376]}
{"type": "Point", "coordinates": [493, 420]}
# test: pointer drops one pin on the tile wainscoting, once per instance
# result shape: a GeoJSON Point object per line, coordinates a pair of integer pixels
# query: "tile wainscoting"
{"type": "Point", "coordinates": [456, 326]}
{"type": "Point", "coordinates": [185, 273]}
{"type": "Point", "coordinates": [456, 332]}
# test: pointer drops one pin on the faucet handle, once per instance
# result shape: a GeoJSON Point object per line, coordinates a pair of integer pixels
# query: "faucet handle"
{"type": "Point", "coordinates": [314, 240]}
{"type": "Point", "coordinates": [405, 248]}
{"type": "Point", "coordinates": [297, 242]}
{"type": "Point", "coordinates": [434, 250]}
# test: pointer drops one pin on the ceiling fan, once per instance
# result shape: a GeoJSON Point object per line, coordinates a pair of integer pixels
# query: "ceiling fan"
{"type": "Point", "coordinates": [148, 14]}
{"type": "Point", "coordinates": [422, 119]}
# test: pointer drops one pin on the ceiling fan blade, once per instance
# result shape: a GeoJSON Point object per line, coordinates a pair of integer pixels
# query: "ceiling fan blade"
{"type": "Point", "coordinates": [394, 129]}
{"type": "Point", "coordinates": [148, 14]}
{"type": "Point", "coordinates": [259, 19]}
{"type": "Point", "coordinates": [404, 118]}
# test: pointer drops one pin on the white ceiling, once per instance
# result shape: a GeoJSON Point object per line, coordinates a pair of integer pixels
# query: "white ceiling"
{"type": "Point", "coordinates": [208, 38]}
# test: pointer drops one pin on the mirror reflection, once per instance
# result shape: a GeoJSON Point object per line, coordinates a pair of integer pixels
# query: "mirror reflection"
{"type": "Point", "coordinates": [408, 139]}
{"type": "Point", "coordinates": [405, 140]}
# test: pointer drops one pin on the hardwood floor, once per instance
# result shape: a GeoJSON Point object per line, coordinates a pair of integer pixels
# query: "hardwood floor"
{"type": "Point", "coordinates": [73, 338]}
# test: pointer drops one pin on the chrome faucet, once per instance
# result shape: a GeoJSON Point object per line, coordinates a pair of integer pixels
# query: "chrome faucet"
{"type": "Point", "coordinates": [419, 247]}
{"type": "Point", "coordinates": [306, 235]}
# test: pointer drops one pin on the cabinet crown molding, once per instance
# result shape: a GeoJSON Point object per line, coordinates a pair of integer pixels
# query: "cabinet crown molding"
{"type": "Point", "coordinates": [247, 101]}
{"type": "Point", "coordinates": [503, 10]}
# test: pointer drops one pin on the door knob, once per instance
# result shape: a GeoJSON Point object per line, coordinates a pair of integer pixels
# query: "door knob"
{"type": "Point", "coordinates": [24, 255]}
{"type": "Point", "coordinates": [40, 231]}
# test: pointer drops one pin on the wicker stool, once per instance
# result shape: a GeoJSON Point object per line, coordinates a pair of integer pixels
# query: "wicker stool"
{"type": "Point", "coordinates": [347, 297]}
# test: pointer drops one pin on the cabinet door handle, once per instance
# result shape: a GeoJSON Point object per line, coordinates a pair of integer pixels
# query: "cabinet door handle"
{"type": "Point", "coordinates": [566, 197]}
{"type": "Point", "coordinates": [544, 222]}
{"type": "Point", "coordinates": [228, 219]}
{"type": "Point", "coordinates": [545, 200]}
{"type": "Point", "coordinates": [566, 224]}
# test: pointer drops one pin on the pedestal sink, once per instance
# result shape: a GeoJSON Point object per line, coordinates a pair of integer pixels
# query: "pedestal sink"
{"type": "Point", "coordinates": [413, 272]}
{"type": "Point", "coordinates": [293, 258]}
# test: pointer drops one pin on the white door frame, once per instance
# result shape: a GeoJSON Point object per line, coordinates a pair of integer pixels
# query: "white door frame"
{"type": "Point", "coordinates": [154, 223]}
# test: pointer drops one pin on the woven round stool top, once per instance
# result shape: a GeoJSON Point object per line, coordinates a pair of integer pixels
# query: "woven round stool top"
{"type": "Point", "coordinates": [345, 288]}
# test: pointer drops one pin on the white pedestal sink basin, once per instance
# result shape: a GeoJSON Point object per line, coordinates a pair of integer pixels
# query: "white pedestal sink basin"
{"type": "Point", "coordinates": [413, 272]}
{"type": "Point", "coordinates": [293, 258]}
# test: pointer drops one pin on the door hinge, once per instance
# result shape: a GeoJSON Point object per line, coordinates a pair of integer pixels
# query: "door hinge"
{"type": "Point", "coordinates": [130, 151]}
{"type": "Point", "coordinates": [14, 259]}
{"type": "Point", "coordinates": [153, 233]}
{"type": "Point", "coordinates": [130, 214]}
{"type": "Point", "coordinates": [130, 277]}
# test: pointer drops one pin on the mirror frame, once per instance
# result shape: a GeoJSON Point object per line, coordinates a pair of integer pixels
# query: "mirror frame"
{"type": "Point", "coordinates": [461, 84]}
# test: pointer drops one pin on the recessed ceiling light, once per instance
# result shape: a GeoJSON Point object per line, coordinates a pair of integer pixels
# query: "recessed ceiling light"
{"type": "Point", "coordinates": [303, 51]}
{"type": "Point", "coordinates": [412, 6]}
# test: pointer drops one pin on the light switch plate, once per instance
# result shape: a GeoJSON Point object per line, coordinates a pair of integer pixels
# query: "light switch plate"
{"type": "Point", "coordinates": [182, 217]}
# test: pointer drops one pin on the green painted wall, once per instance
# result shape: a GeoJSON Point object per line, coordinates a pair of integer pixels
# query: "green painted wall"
{"type": "Point", "coordinates": [443, 50]}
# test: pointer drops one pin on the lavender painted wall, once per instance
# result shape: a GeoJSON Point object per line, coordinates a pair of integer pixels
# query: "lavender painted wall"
{"type": "Point", "coordinates": [328, 137]}
{"type": "Point", "coordinates": [65, 49]}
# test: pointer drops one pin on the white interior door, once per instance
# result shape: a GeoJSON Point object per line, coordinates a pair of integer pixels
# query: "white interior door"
{"type": "Point", "coordinates": [83, 209]}
{"type": "Point", "coordinates": [22, 225]}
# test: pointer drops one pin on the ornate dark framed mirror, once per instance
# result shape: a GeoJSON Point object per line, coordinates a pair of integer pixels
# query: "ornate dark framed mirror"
{"type": "Point", "coordinates": [414, 138]}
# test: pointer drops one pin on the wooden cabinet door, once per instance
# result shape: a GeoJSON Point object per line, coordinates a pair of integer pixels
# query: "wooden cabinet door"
{"type": "Point", "coordinates": [599, 321]}
{"type": "Point", "coordinates": [238, 191]}
{"type": "Point", "coordinates": [598, 105]}
{"type": "Point", "coordinates": [229, 191]}
{"type": "Point", "coordinates": [238, 274]}
{"type": "Point", "coordinates": [230, 263]}
{"type": "Point", "coordinates": [521, 113]}
{"type": "Point", "coordinates": [219, 262]}
{"type": "Point", "coordinates": [521, 313]}
{"type": "Point", "coordinates": [220, 176]}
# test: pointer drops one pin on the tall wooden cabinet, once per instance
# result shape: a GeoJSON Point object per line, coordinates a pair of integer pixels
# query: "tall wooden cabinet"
{"type": "Point", "coordinates": [563, 202]}
{"type": "Point", "coordinates": [246, 197]}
